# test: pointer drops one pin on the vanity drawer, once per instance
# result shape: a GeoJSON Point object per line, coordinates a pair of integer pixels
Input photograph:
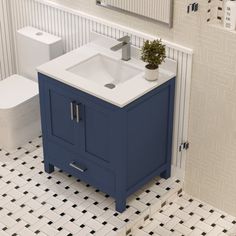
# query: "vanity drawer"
{"type": "Point", "coordinates": [76, 165]}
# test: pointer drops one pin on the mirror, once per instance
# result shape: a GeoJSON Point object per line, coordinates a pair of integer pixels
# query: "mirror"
{"type": "Point", "coordinates": [153, 10]}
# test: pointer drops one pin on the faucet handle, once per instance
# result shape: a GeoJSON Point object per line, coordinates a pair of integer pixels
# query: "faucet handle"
{"type": "Point", "coordinates": [125, 39]}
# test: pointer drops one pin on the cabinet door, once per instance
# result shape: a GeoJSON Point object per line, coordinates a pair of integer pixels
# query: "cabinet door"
{"type": "Point", "coordinates": [92, 135]}
{"type": "Point", "coordinates": [98, 132]}
{"type": "Point", "coordinates": [63, 125]}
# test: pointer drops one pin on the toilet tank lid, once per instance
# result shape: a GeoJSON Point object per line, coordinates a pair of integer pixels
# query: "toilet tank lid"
{"type": "Point", "coordinates": [15, 90]}
{"type": "Point", "coordinates": [38, 35]}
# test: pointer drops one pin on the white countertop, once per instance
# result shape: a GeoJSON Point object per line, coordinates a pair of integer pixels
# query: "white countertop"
{"type": "Point", "coordinates": [124, 93]}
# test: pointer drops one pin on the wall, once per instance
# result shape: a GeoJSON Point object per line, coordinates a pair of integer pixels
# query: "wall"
{"type": "Point", "coordinates": [7, 63]}
{"type": "Point", "coordinates": [211, 161]}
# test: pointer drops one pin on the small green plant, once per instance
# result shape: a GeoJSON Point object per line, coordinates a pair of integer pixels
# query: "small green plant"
{"type": "Point", "coordinates": [154, 53]}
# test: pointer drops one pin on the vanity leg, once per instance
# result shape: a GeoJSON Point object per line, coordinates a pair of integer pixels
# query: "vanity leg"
{"type": "Point", "coordinates": [166, 174]}
{"type": "Point", "coordinates": [120, 205]}
{"type": "Point", "coordinates": [48, 167]}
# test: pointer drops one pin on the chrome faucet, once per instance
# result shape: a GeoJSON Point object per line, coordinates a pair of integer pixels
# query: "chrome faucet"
{"type": "Point", "coordinates": [125, 45]}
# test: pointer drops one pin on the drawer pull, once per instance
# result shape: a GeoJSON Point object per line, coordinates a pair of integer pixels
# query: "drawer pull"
{"type": "Point", "coordinates": [77, 167]}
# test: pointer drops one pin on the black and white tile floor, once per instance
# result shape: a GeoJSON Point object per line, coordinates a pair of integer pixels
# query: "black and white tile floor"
{"type": "Point", "coordinates": [33, 202]}
{"type": "Point", "coordinates": [188, 216]}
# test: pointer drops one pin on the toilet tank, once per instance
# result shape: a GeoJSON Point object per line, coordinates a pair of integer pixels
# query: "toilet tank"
{"type": "Point", "coordinates": [34, 48]}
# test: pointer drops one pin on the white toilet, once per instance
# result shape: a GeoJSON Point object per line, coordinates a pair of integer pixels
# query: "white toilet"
{"type": "Point", "coordinates": [19, 99]}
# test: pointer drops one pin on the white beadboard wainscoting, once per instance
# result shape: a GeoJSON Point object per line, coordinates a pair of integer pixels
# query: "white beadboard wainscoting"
{"type": "Point", "coordinates": [7, 63]}
{"type": "Point", "coordinates": [75, 26]}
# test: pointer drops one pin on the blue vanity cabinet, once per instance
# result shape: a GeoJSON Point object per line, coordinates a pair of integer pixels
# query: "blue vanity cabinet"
{"type": "Point", "coordinates": [117, 150]}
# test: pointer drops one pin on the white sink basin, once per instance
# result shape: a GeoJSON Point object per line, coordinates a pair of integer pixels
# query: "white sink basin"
{"type": "Point", "coordinates": [94, 66]}
{"type": "Point", "coordinates": [105, 70]}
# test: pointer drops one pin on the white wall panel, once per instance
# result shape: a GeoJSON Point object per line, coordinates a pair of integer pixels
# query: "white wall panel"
{"type": "Point", "coordinates": [6, 51]}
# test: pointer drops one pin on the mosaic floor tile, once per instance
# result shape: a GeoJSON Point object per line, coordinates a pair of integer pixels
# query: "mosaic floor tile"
{"type": "Point", "coordinates": [33, 202]}
{"type": "Point", "coordinates": [188, 216]}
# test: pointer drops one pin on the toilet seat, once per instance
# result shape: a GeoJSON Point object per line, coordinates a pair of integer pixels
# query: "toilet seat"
{"type": "Point", "coordinates": [16, 90]}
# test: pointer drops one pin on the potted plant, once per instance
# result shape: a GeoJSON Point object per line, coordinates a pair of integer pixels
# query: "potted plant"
{"type": "Point", "coordinates": [154, 53]}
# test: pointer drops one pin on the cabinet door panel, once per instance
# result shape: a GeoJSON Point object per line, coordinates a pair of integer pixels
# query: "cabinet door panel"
{"type": "Point", "coordinates": [97, 133]}
{"type": "Point", "coordinates": [61, 128]}
{"type": "Point", "coordinates": [61, 125]}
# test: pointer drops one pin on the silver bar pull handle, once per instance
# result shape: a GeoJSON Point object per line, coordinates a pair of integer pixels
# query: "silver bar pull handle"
{"type": "Point", "coordinates": [77, 167]}
{"type": "Point", "coordinates": [72, 116]}
{"type": "Point", "coordinates": [77, 110]}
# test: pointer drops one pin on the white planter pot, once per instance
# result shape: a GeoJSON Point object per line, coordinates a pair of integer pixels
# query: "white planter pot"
{"type": "Point", "coordinates": [151, 75]}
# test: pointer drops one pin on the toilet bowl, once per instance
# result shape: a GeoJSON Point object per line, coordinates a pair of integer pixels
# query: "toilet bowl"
{"type": "Point", "coordinates": [19, 96]}
{"type": "Point", "coordinates": [19, 113]}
